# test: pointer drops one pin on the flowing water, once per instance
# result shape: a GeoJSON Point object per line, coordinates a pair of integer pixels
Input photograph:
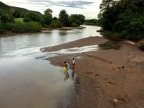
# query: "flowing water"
{"type": "Point", "coordinates": [29, 81]}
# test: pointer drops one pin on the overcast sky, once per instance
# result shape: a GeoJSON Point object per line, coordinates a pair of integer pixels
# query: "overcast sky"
{"type": "Point", "coordinates": [89, 8]}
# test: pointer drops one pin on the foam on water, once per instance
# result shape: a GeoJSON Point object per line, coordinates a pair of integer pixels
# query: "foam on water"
{"type": "Point", "coordinates": [78, 49]}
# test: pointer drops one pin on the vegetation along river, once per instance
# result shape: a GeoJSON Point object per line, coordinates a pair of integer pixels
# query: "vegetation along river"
{"type": "Point", "coordinates": [27, 80]}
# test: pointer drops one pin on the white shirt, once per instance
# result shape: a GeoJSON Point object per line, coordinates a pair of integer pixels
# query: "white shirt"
{"type": "Point", "coordinates": [73, 61]}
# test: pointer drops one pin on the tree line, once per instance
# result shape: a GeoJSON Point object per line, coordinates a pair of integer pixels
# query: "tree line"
{"type": "Point", "coordinates": [22, 20]}
{"type": "Point", "coordinates": [94, 22]}
{"type": "Point", "coordinates": [123, 19]}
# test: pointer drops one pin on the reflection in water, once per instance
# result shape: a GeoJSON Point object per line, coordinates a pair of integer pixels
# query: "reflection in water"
{"type": "Point", "coordinates": [73, 75]}
{"type": "Point", "coordinates": [70, 74]}
{"type": "Point", "coordinates": [53, 37]}
{"type": "Point", "coordinates": [29, 83]}
{"type": "Point", "coordinates": [66, 76]}
{"type": "Point", "coordinates": [63, 32]}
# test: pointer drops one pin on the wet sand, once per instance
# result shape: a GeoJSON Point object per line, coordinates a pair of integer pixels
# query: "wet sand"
{"type": "Point", "coordinates": [108, 78]}
{"type": "Point", "coordinates": [78, 43]}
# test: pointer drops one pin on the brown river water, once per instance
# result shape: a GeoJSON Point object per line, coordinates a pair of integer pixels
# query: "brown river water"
{"type": "Point", "coordinates": [27, 80]}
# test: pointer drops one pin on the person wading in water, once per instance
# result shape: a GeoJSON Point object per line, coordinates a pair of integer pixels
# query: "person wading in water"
{"type": "Point", "coordinates": [73, 67]}
{"type": "Point", "coordinates": [73, 64]}
{"type": "Point", "coordinates": [66, 66]}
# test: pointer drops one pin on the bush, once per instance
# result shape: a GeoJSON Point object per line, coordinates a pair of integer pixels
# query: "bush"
{"type": "Point", "coordinates": [75, 25]}
{"type": "Point", "coordinates": [110, 45]}
{"type": "Point", "coordinates": [56, 24]}
{"type": "Point", "coordinates": [34, 17]}
{"type": "Point", "coordinates": [123, 16]}
{"type": "Point", "coordinates": [27, 27]}
{"type": "Point", "coordinates": [2, 29]}
{"type": "Point", "coordinates": [112, 36]}
{"type": "Point", "coordinates": [141, 47]}
{"type": "Point", "coordinates": [6, 18]}
{"type": "Point", "coordinates": [27, 20]}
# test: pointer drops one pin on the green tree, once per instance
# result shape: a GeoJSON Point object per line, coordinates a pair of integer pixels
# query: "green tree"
{"type": "Point", "coordinates": [105, 4]}
{"type": "Point", "coordinates": [48, 16]}
{"type": "Point", "coordinates": [25, 27]}
{"type": "Point", "coordinates": [31, 16]}
{"type": "Point", "coordinates": [48, 12]}
{"type": "Point", "coordinates": [56, 23]}
{"type": "Point", "coordinates": [0, 16]}
{"type": "Point", "coordinates": [64, 18]}
{"type": "Point", "coordinates": [6, 18]}
{"type": "Point", "coordinates": [125, 17]}
{"type": "Point", "coordinates": [92, 22]}
{"type": "Point", "coordinates": [77, 19]}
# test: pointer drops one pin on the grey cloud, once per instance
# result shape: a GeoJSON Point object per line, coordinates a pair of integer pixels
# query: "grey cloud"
{"type": "Point", "coordinates": [73, 4]}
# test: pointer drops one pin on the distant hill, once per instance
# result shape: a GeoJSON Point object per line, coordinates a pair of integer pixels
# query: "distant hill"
{"type": "Point", "coordinates": [15, 11]}
{"type": "Point", "coordinates": [4, 8]}
{"type": "Point", "coordinates": [2, 5]}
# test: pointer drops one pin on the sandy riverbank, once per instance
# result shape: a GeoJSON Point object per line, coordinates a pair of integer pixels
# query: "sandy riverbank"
{"type": "Point", "coordinates": [103, 81]}
{"type": "Point", "coordinates": [78, 43]}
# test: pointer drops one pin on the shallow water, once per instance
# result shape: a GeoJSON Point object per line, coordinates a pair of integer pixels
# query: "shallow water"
{"type": "Point", "coordinates": [27, 80]}
{"type": "Point", "coordinates": [77, 50]}
{"type": "Point", "coordinates": [40, 40]}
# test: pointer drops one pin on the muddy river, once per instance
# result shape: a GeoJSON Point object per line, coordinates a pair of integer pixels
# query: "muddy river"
{"type": "Point", "coordinates": [27, 80]}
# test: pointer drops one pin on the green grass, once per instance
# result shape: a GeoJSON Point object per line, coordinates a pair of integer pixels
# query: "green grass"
{"type": "Point", "coordinates": [18, 20]}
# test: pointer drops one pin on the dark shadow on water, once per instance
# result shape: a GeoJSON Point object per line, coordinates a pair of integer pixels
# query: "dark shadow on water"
{"type": "Point", "coordinates": [63, 33]}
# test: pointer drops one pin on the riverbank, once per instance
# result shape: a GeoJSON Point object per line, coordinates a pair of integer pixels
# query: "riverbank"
{"type": "Point", "coordinates": [108, 78]}
{"type": "Point", "coordinates": [9, 33]}
{"type": "Point", "coordinates": [44, 30]}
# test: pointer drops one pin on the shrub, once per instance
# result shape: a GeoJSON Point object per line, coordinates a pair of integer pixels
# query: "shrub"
{"type": "Point", "coordinates": [123, 16]}
{"type": "Point", "coordinates": [56, 24]}
{"type": "Point", "coordinates": [110, 45]}
{"type": "Point", "coordinates": [112, 35]}
{"type": "Point", "coordinates": [141, 47]}
{"type": "Point", "coordinates": [27, 27]}
{"type": "Point", "coordinates": [34, 27]}
{"type": "Point", "coordinates": [75, 25]}
{"type": "Point", "coordinates": [2, 29]}
{"type": "Point", "coordinates": [27, 20]}
{"type": "Point", "coordinates": [6, 18]}
{"type": "Point", "coordinates": [34, 17]}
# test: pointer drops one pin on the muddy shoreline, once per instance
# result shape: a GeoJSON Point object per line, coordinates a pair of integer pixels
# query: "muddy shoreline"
{"type": "Point", "coordinates": [108, 78]}
{"type": "Point", "coordinates": [78, 43]}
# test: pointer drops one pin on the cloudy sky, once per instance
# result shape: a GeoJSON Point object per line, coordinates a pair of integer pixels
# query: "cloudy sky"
{"type": "Point", "coordinates": [89, 8]}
